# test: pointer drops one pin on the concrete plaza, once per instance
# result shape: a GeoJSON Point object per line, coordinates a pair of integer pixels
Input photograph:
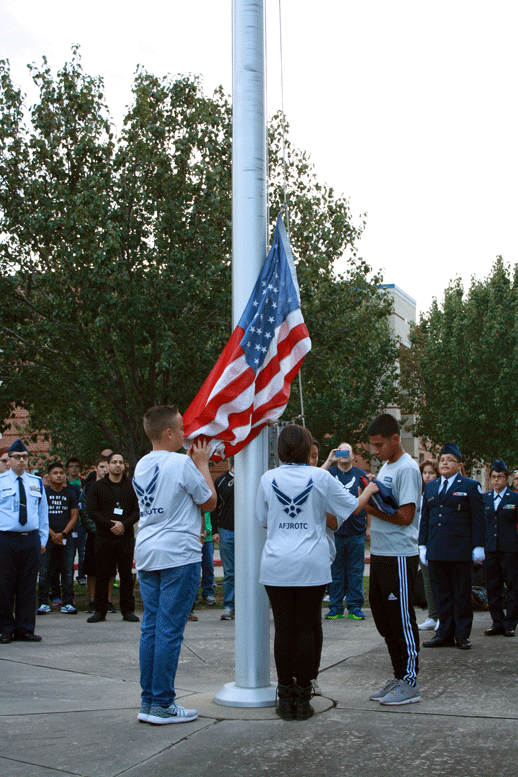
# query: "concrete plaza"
{"type": "Point", "coordinates": [69, 705]}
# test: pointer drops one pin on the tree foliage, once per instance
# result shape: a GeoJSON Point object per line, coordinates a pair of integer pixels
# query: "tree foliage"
{"type": "Point", "coordinates": [115, 261]}
{"type": "Point", "coordinates": [459, 374]}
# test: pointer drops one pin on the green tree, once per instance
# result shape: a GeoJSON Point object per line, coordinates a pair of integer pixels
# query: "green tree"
{"type": "Point", "coordinates": [115, 258]}
{"type": "Point", "coordinates": [459, 374]}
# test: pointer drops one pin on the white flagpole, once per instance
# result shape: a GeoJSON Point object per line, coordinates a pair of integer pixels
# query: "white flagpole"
{"type": "Point", "coordinates": [252, 686]}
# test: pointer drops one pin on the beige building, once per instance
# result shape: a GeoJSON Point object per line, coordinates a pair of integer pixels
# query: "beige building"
{"type": "Point", "coordinates": [402, 316]}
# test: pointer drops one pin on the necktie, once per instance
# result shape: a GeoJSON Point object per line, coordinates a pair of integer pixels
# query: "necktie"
{"type": "Point", "coordinates": [23, 503]}
{"type": "Point", "coordinates": [444, 489]}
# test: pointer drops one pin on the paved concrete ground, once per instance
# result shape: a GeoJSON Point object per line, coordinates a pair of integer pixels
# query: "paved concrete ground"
{"type": "Point", "coordinates": [68, 706]}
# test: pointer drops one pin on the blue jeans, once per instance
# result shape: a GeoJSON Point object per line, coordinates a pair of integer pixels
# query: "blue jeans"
{"type": "Point", "coordinates": [207, 569]}
{"type": "Point", "coordinates": [57, 562]}
{"type": "Point", "coordinates": [226, 551]}
{"type": "Point", "coordinates": [347, 573]}
{"type": "Point", "coordinates": [168, 596]}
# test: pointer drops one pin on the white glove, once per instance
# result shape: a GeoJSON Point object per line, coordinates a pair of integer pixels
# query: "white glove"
{"type": "Point", "coordinates": [478, 554]}
{"type": "Point", "coordinates": [422, 555]}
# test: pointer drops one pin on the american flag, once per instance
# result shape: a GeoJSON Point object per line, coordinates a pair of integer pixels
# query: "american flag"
{"type": "Point", "coordinates": [250, 383]}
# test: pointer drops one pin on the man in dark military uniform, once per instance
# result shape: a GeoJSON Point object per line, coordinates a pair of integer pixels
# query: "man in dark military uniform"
{"type": "Point", "coordinates": [451, 537]}
{"type": "Point", "coordinates": [501, 565]}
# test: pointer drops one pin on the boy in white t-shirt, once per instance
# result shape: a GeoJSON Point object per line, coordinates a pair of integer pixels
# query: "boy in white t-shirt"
{"type": "Point", "coordinates": [171, 488]}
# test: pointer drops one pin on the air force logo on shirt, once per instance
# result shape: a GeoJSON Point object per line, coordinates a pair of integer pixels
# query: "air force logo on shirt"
{"type": "Point", "coordinates": [347, 485]}
{"type": "Point", "coordinates": [293, 506]}
{"type": "Point", "coordinates": [146, 495]}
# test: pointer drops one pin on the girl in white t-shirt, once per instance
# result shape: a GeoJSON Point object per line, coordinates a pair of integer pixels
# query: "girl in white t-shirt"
{"type": "Point", "coordinates": [292, 502]}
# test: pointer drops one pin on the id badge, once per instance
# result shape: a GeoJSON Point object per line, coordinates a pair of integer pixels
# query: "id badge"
{"type": "Point", "coordinates": [118, 511]}
{"type": "Point", "coordinates": [74, 535]}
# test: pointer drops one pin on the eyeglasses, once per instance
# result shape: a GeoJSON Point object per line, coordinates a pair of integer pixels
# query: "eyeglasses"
{"type": "Point", "coordinates": [18, 456]}
{"type": "Point", "coordinates": [443, 460]}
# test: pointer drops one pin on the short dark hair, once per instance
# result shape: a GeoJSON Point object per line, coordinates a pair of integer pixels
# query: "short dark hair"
{"type": "Point", "coordinates": [112, 454]}
{"type": "Point", "coordinates": [157, 419]}
{"type": "Point", "coordinates": [294, 444]}
{"type": "Point", "coordinates": [385, 425]}
{"type": "Point", "coordinates": [99, 459]}
{"type": "Point", "coordinates": [73, 460]}
{"type": "Point", "coordinates": [4, 450]}
{"type": "Point", "coordinates": [55, 465]}
{"type": "Point", "coordinates": [315, 442]}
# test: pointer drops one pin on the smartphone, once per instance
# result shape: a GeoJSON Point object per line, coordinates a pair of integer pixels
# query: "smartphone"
{"type": "Point", "coordinates": [342, 454]}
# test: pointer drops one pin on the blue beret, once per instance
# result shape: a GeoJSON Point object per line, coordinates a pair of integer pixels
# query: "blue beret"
{"type": "Point", "coordinates": [18, 447]}
{"type": "Point", "coordinates": [450, 447]}
{"type": "Point", "coordinates": [499, 465]}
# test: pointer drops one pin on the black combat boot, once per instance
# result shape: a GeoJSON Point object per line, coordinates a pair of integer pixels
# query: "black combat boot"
{"type": "Point", "coordinates": [303, 709]}
{"type": "Point", "coordinates": [285, 702]}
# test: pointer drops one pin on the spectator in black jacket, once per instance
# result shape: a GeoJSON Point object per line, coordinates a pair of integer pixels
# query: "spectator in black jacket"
{"type": "Point", "coordinates": [112, 504]}
{"type": "Point", "coordinates": [222, 520]}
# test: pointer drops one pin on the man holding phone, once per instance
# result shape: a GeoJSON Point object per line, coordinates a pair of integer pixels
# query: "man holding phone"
{"type": "Point", "coordinates": [348, 567]}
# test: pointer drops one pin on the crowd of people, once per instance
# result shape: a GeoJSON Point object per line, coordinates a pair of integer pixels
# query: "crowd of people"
{"type": "Point", "coordinates": [317, 520]}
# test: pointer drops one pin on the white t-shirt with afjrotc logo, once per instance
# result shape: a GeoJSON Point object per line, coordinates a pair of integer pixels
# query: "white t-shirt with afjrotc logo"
{"type": "Point", "coordinates": [292, 502]}
{"type": "Point", "coordinates": [169, 488]}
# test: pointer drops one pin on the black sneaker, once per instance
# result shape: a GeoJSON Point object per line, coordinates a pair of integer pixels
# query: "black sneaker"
{"type": "Point", "coordinates": [96, 618]}
{"type": "Point", "coordinates": [111, 607]}
{"type": "Point", "coordinates": [131, 617]}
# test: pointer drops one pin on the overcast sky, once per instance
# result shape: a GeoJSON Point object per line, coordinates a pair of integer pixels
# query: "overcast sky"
{"type": "Point", "coordinates": [407, 107]}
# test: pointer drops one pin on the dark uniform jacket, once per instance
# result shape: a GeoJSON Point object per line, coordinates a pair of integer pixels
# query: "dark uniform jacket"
{"type": "Point", "coordinates": [501, 529]}
{"type": "Point", "coordinates": [450, 528]}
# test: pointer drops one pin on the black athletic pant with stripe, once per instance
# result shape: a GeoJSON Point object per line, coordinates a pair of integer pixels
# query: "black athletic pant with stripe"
{"type": "Point", "coordinates": [391, 593]}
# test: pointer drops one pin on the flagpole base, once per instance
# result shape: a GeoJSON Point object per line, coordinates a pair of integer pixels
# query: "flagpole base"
{"type": "Point", "coordinates": [232, 695]}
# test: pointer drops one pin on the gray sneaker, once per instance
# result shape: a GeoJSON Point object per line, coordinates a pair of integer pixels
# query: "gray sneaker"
{"type": "Point", "coordinates": [171, 714]}
{"type": "Point", "coordinates": [403, 693]}
{"type": "Point", "coordinates": [377, 695]}
{"type": "Point", "coordinates": [210, 600]}
{"type": "Point", "coordinates": [144, 711]}
{"type": "Point", "coordinates": [227, 615]}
